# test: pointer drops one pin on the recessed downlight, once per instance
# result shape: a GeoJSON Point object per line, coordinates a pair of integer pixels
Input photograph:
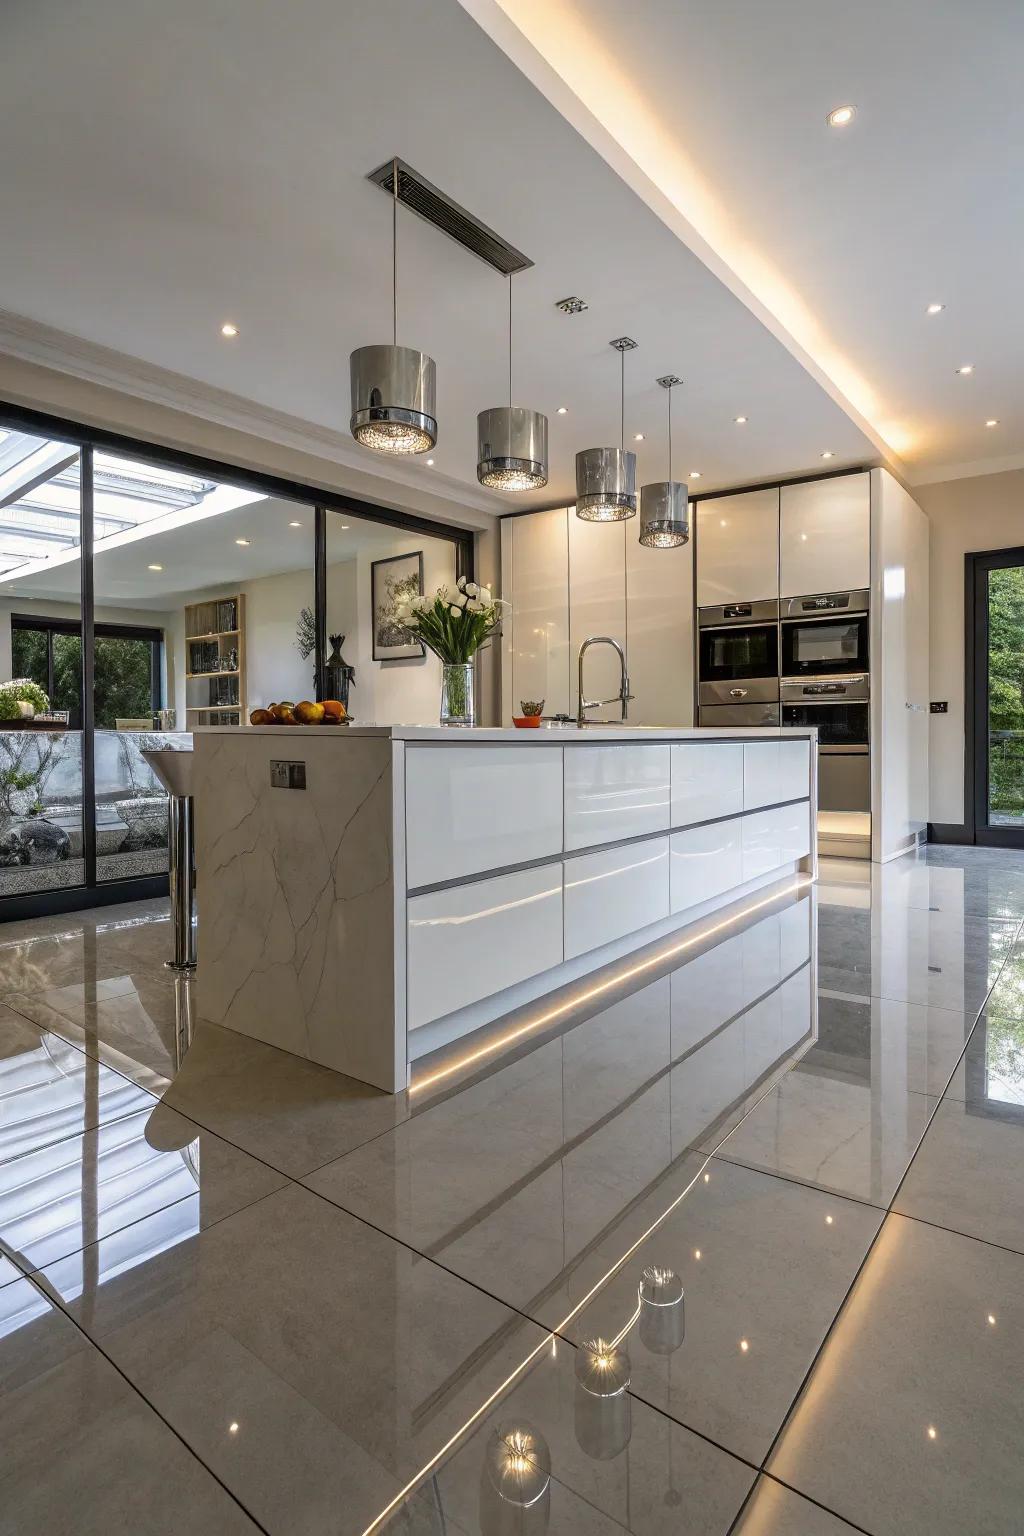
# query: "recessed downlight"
{"type": "Point", "coordinates": [294, 525]}
{"type": "Point", "coordinates": [563, 410]}
{"type": "Point", "coordinates": [638, 437]}
{"type": "Point", "coordinates": [992, 422]}
{"type": "Point", "coordinates": [430, 461]}
{"type": "Point", "coordinates": [694, 474]}
{"type": "Point", "coordinates": [154, 567]}
{"type": "Point", "coordinates": [828, 454]}
{"type": "Point", "coordinates": [345, 527]}
{"type": "Point", "coordinates": [841, 117]}
{"type": "Point", "coordinates": [229, 329]}
{"type": "Point", "coordinates": [740, 421]}
{"type": "Point", "coordinates": [243, 542]}
{"type": "Point", "coordinates": [935, 309]}
{"type": "Point", "coordinates": [966, 368]}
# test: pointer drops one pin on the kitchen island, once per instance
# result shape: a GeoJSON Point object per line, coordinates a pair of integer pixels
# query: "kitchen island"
{"type": "Point", "coordinates": [367, 894]}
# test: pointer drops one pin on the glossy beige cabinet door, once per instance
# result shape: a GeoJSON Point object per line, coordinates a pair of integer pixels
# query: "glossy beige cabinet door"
{"type": "Point", "coordinates": [738, 548]}
{"type": "Point", "coordinates": [659, 625]}
{"type": "Point", "coordinates": [826, 536]}
{"type": "Point", "coordinates": [597, 606]}
{"type": "Point", "coordinates": [537, 637]}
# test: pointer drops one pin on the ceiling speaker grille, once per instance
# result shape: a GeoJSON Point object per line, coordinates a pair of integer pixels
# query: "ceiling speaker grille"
{"type": "Point", "coordinates": [415, 192]}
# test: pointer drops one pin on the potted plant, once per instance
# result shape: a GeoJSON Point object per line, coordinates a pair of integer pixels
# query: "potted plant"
{"type": "Point", "coordinates": [454, 625]}
{"type": "Point", "coordinates": [530, 714]}
{"type": "Point", "coordinates": [21, 698]}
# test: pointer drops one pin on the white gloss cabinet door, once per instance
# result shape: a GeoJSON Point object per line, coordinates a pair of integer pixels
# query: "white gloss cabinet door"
{"type": "Point", "coordinates": [470, 941]}
{"type": "Point", "coordinates": [470, 809]}
{"type": "Point", "coordinates": [614, 791]}
{"type": "Point", "coordinates": [597, 560]}
{"type": "Point", "coordinates": [659, 615]}
{"type": "Point", "coordinates": [614, 893]}
{"type": "Point", "coordinates": [707, 781]}
{"type": "Point", "coordinates": [775, 771]}
{"type": "Point", "coordinates": [738, 548]}
{"type": "Point", "coordinates": [538, 586]}
{"type": "Point", "coordinates": [774, 838]}
{"type": "Point", "coordinates": [825, 538]}
{"type": "Point", "coordinates": [705, 862]}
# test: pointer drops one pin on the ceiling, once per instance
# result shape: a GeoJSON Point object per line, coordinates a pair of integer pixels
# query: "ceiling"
{"type": "Point", "coordinates": [204, 555]}
{"type": "Point", "coordinates": [714, 111]}
{"type": "Point", "coordinates": [206, 161]}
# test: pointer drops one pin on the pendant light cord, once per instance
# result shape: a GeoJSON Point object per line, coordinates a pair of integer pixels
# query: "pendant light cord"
{"type": "Point", "coordinates": [394, 250]}
{"type": "Point", "coordinates": [510, 341]}
{"type": "Point", "coordinates": [622, 399]}
{"type": "Point", "coordinates": [669, 393]}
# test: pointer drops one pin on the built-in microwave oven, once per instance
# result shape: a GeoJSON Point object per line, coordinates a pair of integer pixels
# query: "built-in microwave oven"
{"type": "Point", "coordinates": [825, 636]}
{"type": "Point", "coordinates": [738, 653]}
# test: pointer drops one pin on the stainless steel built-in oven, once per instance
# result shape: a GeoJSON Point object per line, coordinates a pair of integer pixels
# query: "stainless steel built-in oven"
{"type": "Point", "coordinates": [825, 636]}
{"type": "Point", "coordinates": [840, 707]}
{"type": "Point", "coordinates": [738, 663]}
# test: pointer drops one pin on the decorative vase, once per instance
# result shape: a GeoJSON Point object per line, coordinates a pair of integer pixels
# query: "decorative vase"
{"type": "Point", "coordinates": [457, 703]}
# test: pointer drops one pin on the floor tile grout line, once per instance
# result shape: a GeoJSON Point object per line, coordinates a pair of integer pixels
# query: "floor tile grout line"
{"type": "Point", "coordinates": [781, 1483]}
{"type": "Point", "coordinates": [29, 1270]}
{"type": "Point", "coordinates": [92, 1344]}
{"type": "Point", "coordinates": [788, 1178]}
{"type": "Point", "coordinates": [970, 1237]}
{"type": "Point", "coordinates": [787, 1417]}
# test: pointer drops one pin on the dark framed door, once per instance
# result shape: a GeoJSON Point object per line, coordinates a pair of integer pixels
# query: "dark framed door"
{"type": "Point", "coordinates": [994, 713]}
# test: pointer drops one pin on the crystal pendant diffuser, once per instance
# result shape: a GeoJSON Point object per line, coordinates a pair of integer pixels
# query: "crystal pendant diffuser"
{"type": "Point", "coordinates": [394, 389]}
{"type": "Point", "coordinates": [512, 448]}
{"type": "Point", "coordinates": [606, 477]}
{"type": "Point", "coordinates": [605, 485]}
{"type": "Point", "coordinates": [393, 399]}
{"type": "Point", "coordinates": [664, 522]}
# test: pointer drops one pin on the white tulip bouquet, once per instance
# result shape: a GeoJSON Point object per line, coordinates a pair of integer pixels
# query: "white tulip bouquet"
{"type": "Point", "coordinates": [454, 625]}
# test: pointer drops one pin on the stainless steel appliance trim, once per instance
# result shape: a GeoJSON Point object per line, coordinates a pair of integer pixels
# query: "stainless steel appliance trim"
{"type": "Point", "coordinates": [830, 607]}
{"type": "Point", "coordinates": [830, 688]}
{"type": "Point", "coordinates": [725, 615]}
{"type": "Point", "coordinates": [740, 690]}
{"type": "Point", "coordinates": [733, 716]}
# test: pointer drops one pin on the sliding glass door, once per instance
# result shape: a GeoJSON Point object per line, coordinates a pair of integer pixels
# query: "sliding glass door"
{"type": "Point", "coordinates": [996, 703]}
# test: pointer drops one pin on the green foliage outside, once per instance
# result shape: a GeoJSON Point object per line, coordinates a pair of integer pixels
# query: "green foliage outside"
{"type": "Point", "coordinates": [1006, 691]}
{"type": "Point", "coordinates": [123, 687]}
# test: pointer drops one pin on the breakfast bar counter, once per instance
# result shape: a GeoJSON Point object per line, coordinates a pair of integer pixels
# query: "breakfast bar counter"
{"type": "Point", "coordinates": [367, 894]}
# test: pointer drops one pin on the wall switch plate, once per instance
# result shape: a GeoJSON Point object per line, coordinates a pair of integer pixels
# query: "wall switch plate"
{"type": "Point", "coordinates": [287, 775]}
{"type": "Point", "coordinates": [940, 706]}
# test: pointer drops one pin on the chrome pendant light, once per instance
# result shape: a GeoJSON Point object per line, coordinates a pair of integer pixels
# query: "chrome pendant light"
{"type": "Point", "coordinates": [511, 441]}
{"type": "Point", "coordinates": [606, 477]}
{"type": "Point", "coordinates": [394, 389]}
{"type": "Point", "coordinates": [664, 522]}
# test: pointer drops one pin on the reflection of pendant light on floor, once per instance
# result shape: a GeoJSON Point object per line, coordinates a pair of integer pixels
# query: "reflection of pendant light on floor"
{"type": "Point", "coordinates": [662, 1309]}
{"type": "Point", "coordinates": [512, 442]}
{"type": "Point", "coordinates": [515, 1485]}
{"type": "Point", "coordinates": [602, 1409]}
{"type": "Point", "coordinates": [606, 477]}
{"type": "Point", "coordinates": [394, 388]}
{"type": "Point", "coordinates": [663, 515]}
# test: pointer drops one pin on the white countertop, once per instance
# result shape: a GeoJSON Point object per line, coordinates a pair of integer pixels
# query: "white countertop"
{"type": "Point", "coordinates": [460, 738]}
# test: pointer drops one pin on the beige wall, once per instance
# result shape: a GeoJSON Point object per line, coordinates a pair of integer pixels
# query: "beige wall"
{"type": "Point", "coordinates": [983, 513]}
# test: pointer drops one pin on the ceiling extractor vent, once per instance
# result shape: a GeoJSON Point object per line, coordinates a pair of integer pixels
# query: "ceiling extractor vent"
{"type": "Point", "coordinates": [415, 192]}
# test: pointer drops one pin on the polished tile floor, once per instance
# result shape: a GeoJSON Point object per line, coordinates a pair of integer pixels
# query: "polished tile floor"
{"type": "Point", "coordinates": [740, 1251]}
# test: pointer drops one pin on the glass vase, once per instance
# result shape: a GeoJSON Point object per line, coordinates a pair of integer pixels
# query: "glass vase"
{"type": "Point", "coordinates": [457, 704]}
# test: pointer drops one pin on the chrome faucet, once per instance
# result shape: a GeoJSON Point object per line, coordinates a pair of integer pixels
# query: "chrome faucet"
{"type": "Point", "coordinates": [623, 696]}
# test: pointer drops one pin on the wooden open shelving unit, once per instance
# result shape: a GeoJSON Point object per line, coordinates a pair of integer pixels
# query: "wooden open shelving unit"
{"type": "Point", "coordinates": [213, 629]}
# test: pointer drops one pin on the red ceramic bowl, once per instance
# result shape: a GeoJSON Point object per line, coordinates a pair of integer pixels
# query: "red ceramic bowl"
{"type": "Point", "coordinates": [526, 722]}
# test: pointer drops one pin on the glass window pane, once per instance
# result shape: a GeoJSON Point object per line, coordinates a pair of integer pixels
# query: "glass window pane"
{"type": "Point", "coordinates": [200, 591]}
{"type": "Point", "coordinates": [1006, 696]}
{"type": "Point", "coordinates": [40, 642]}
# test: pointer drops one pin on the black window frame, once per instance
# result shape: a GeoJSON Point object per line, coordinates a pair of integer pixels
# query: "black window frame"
{"type": "Point", "coordinates": [45, 624]}
{"type": "Point", "coordinates": [319, 498]}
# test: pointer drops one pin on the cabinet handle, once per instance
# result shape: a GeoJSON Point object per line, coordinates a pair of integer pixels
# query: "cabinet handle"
{"type": "Point", "coordinates": [738, 693]}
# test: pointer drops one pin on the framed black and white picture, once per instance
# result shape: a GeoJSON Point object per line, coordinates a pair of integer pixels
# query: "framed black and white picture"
{"type": "Point", "coordinates": [392, 583]}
